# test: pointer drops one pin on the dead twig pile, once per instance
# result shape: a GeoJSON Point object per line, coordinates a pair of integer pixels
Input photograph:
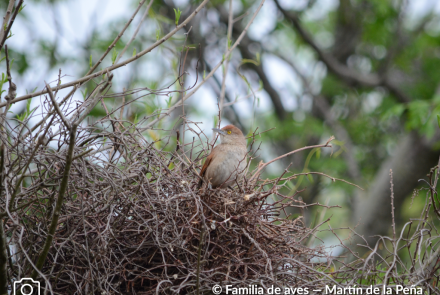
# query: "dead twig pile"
{"type": "Point", "coordinates": [133, 221]}
{"type": "Point", "coordinates": [128, 218]}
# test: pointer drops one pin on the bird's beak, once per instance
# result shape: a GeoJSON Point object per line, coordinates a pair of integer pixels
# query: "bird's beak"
{"type": "Point", "coordinates": [219, 131]}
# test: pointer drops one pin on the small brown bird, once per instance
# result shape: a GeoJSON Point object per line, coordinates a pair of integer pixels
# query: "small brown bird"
{"type": "Point", "coordinates": [227, 159]}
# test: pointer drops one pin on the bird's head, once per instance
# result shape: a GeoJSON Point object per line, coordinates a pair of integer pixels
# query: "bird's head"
{"type": "Point", "coordinates": [231, 135]}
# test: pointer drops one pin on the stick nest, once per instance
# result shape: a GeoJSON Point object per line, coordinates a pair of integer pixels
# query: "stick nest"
{"type": "Point", "coordinates": [132, 220]}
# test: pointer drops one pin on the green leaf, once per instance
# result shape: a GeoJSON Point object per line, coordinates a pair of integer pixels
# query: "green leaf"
{"type": "Point", "coordinates": [418, 114]}
{"type": "Point", "coordinates": [438, 120]}
{"type": "Point", "coordinates": [394, 111]}
{"type": "Point", "coordinates": [157, 34]}
{"type": "Point", "coordinates": [97, 112]}
{"type": "Point", "coordinates": [28, 111]}
{"type": "Point", "coordinates": [134, 52]}
{"type": "Point", "coordinates": [177, 14]}
{"type": "Point", "coordinates": [90, 62]}
{"type": "Point", "coordinates": [1, 83]}
{"type": "Point", "coordinates": [28, 105]}
{"type": "Point", "coordinates": [21, 8]}
{"type": "Point", "coordinates": [215, 121]}
{"type": "Point", "coordinates": [114, 55]}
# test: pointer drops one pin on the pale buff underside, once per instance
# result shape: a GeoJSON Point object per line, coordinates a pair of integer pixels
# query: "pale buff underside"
{"type": "Point", "coordinates": [228, 162]}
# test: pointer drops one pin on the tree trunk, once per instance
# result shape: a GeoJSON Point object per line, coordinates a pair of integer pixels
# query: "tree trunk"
{"type": "Point", "coordinates": [411, 161]}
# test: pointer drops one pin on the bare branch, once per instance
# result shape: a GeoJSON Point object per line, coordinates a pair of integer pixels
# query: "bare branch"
{"type": "Point", "coordinates": [57, 211]}
{"type": "Point", "coordinates": [135, 32]}
{"type": "Point", "coordinates": [261, 167]}
{"type": "Point", "coordinates": [3, 33]}
{"type": "Point", "coordinates": [345, 73]}
{"type": "Point", "coordinates": [226, 66]}
{"type": "Point", "coordinates": [226, 56]}
{"type": "Point", "coordinates": [110, 47]}
{"type": "Point", "coordinates": [57, 107]}
{"type": "Point", "coordinates": [115, 66]}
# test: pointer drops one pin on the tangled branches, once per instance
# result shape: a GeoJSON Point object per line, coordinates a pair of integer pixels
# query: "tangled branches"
{"type": "Point", "coordinates": [131, 220]}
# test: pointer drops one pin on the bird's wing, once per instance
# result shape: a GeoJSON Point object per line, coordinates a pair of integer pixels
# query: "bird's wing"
{"type": "Point", "coordinates": [205, 166]}
{"type": "Point", "coordinates": [207, 162]}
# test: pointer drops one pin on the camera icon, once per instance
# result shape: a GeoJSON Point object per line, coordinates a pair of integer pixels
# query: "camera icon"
{"type": "Point", "coordinates": [27, 286]}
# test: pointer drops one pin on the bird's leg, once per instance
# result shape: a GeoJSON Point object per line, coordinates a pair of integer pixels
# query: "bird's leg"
{"type": "Point", "coordinates": [230, 187]}
{"type": "Point", "coordinates": [209, 186]}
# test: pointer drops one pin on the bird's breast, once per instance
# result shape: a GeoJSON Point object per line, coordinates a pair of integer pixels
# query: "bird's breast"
{"type": "Point", "coordinates": [228, 162]}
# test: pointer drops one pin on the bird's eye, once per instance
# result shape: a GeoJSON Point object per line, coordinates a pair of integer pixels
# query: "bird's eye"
{"type": "Point", "coordinates": [229, 132]}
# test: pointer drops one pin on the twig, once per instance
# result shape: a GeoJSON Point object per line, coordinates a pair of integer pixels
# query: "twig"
{"type": "Point", "coordinates": [12, 92]}
{"type": "Point", "coordinates": [392, 206]}
{"type": "Point", "coordinates": [328, 176]}
{"type": "Point", "coordinates": [40, 141]}
{"type": "Point", "coordinates": [3, 261]}
{"type": "Point", "coordinates": [135, 32]}
{"type": "Point", "coordinates": [261, 167]}
{"type": "Point", "coordinates": [345, 73]}
{"type": "Point", "coordinates": [8, 29]}
{"type": "Point", "coordinates": [4, 28]}
{"type": "Point", "coordinates": [314, 229]}
{"type": "Point", "coordinates": [110, 47]}
{"type": "Point", "coordinates": [226, 66]}
{"type": "Point", "coordinates": [116, 66]}
{"type": "Point", "coordinates": [199, 252]}
{"type": "Point", "coordinates": [57, 107]}
{"type": "Point", "coordinates": [57, 211]}
{"type": "Point", "coordinates": [226, 56]}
